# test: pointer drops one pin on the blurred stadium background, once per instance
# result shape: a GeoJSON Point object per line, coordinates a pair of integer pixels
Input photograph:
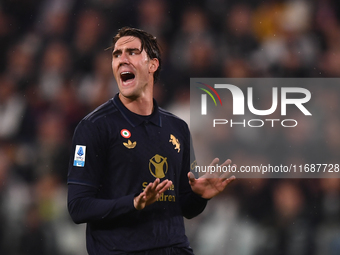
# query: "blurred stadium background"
{"type": "Point", "coordinates": [54, 70]}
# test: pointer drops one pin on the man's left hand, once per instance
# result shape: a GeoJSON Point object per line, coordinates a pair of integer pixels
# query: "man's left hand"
{"type": "Point", "coordinates": [211, 184]}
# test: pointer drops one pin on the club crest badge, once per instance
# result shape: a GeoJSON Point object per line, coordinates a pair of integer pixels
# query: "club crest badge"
{"type": "Point", "coordinates": [175, 142]}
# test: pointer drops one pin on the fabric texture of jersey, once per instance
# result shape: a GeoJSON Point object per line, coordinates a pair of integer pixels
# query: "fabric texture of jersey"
{"type": "Point", "coordinates": [120, 153]}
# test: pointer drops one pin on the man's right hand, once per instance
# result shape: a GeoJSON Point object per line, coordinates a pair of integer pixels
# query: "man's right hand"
{"type": "Point", "coordinates": [151, 193]}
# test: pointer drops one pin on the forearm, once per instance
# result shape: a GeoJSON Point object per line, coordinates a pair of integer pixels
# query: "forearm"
{"type": "Point", "coordinates": [192, 204]}
{"type": "Point", "coordinates": [84, 207]}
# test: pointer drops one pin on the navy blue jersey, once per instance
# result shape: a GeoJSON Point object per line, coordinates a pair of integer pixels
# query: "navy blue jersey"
{"type": "Point", "coordinates": [116, 154]}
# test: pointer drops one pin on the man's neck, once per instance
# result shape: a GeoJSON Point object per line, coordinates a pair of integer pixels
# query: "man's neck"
{"type": "Point", "coordinates": [141, 105]}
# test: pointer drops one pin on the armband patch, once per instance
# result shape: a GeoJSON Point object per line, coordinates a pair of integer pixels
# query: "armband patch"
{"type": "Point", "coordinates": [79, 156]}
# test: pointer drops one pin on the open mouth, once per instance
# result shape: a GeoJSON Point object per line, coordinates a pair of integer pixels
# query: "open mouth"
{"type": "Point", "coordinates": [127, 76]}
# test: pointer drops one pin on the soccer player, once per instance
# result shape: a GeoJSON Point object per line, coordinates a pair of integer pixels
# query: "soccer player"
{"type": "Point", "coordinates": [129, 177]}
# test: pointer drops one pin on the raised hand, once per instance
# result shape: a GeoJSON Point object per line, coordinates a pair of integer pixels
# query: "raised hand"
{"type": "Point", "coordinates": [151, 193]}
{"type": "Point", "coordinates": [211, 184]}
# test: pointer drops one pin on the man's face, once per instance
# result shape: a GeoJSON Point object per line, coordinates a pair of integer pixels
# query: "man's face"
{"type": "Point", "coordinates": [131, 67]}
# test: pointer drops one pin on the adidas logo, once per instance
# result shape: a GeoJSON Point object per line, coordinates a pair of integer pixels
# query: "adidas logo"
{"type": "Point", "coordinates": [130, 145]}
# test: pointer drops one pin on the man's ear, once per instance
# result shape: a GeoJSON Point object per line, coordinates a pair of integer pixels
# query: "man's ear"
{"type": "Point", "coordinates": [154, 64]}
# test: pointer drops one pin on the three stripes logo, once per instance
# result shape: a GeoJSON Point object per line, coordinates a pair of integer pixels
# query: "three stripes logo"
{"type": "Point", "coordinates": [204, 97]}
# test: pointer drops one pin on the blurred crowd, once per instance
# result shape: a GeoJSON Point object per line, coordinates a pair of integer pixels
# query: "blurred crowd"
{"type": "Point", "coordinates": [54, 69]}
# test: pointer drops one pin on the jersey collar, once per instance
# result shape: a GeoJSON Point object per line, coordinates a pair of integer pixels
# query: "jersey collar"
{"type": "Point", "coordinates": [135, 119]}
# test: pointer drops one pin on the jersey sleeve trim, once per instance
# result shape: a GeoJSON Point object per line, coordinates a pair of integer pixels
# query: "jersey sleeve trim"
{"type": "Point", "coordinates": [81, 183]}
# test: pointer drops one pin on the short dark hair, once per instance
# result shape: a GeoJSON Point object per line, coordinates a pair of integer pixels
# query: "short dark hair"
{"type": "Point", "coordinates": [148, 41]}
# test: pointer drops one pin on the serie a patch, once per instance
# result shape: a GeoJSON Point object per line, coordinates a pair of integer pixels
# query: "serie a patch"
{"type": "Point", "coordinates": [79, 156]}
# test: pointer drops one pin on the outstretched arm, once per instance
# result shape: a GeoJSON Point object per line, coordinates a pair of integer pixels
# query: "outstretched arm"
{"type": "Point", "coordinates": [195, 193]}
